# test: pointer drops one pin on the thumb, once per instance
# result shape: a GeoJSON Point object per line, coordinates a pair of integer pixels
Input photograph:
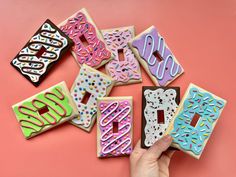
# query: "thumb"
{"type": "Point", "coordinates": [155, 151]}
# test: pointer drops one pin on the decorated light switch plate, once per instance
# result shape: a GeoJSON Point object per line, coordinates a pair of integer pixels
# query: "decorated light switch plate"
{"type": "Point", "coordinates": [158, 107]}
{"type": "Point", "coordinates": [89, 45]}
{"type": "Point", "coordinates": [89, 85]}
{"type": "Point", "coordinates": [114, 126]}
{"type": "Point", "coordinates": [195, 120]}
{"type": "Point", "coordinates": [124, 68]}
{"type": "Point", "coordinates": [155, 56]}
{"type": "Point", "coordinates": [45, 110]}
{"type": "Point", "coordinates": [41, 52]}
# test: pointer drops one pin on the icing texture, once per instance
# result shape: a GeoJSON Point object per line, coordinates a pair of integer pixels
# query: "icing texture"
{"type": "Point", "coordinates": [192, 138]}
{"type": "Point", "coordinates": [128, 69]}
{"type": "Point", "coordinates": [95, 52]}
{"type": "Point", "coordinates": [94, 83]}
{"type": "Point", "coordinates": [119, 143]}
{"type": "Point", "coordinates": [164, 71]}
{"type": "Point", "coordinates": [158, 99]}
{"type": "Point", "coordinates": [27, 61]}
{"type": "Point", "coordinates": [32, 122]}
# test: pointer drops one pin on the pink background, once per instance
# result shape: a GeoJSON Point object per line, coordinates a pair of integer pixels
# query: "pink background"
{"type": "Point", "coordinates": [200, 33]}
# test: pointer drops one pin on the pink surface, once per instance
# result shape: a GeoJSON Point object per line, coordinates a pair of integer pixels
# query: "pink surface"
{"type": "Point", "coordinates": [201, 35]}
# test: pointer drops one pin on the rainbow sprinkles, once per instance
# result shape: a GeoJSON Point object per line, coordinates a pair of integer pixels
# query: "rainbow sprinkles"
{"type": "Point", "coordinates": [126, 70]}
{"type": "Point", "coordinates": [92, 84]}
{"type": "Point", "coordinates": [87, 101]}
{"type": "Point", "coordinates": [89, 46]}
{"type": "Point", "coordinates": [42, 51]}
{"type": "Point", "coordinates": [196, 103]}
{"type": "Point", "coordinates": [114, 126]}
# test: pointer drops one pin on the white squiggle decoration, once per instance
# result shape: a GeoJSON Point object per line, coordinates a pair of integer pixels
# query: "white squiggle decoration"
{"type": "Point", "coordinates": [127, 125]}
{"type": "Point", "coordinates": [164, 67]}
{"type": "Point", "coordinates": [172, 73]}
{"type": "Point", "coordinates": [123, 142]}
{"type": "Point", "coordinates": [152, 49]}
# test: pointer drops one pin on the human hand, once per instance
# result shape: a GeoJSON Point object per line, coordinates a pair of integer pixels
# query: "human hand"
{"type": "Point", "coordinates": [152, 162]}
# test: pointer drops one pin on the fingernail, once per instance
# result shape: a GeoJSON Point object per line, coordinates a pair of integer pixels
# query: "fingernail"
{"type": "Point", "coordinates": [167, 138]}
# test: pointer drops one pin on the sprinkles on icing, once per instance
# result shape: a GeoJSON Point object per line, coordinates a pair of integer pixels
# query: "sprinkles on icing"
{"type": "Point", "coordinates": [95, 53]}
{"type": "Point", "coordinates": [191, 139]}
{"type": "Point", "coordinates": [163, 68]}
{"type": "Point", "coordinates": [55, 43]}
{"type": "Point", "coordinates": [58, 109]}
{"type": "Point", "coordinates": [156, 99]}
{"type": "Point", "coordinates": [110, 110]}
{"type": "Point", "coordinates": [128, 70]}
{"type": "Point", "coordinates": [98, 85]}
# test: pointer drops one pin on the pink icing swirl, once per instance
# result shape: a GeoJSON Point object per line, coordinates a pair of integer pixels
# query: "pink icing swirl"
{"type": "Point", "coordinates": [115, 144]}
{"type": "Point", "coordinates": [95, 52]}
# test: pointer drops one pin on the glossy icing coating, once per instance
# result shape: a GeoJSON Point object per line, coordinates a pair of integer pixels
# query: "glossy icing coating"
{"type": "Point", "coordinates": [32, 122]}
{"type": "Point", "coordinates": [159, 99]}
{"type": "Point", "coordinates": [96, 84]}
{"type": "Point", "coordinates": [52, 40]}
{"type": "Point", "coordinates": [128, 69]}
{"type": "Point", "coordinates": [165, 70]}
{"type": "Point", "coordinates": [192, 138]}
{"type": "Point", "coordinates": [95, 52]}
{"type": "Point", "coordinates": [115, 144]}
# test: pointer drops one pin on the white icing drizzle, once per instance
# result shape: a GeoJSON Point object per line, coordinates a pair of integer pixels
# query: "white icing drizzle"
{"type": "Point", "coordinates": [152, 49]}
{"type": "Point", "coordinates": [126, 126]}
{"type": "Point", "coordinates": [173, 72]}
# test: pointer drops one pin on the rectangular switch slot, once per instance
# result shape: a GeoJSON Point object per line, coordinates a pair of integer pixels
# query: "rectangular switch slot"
{"type": "Point", "coordinates": [41, 51]}
{"type": "Point", "coordinates": [160, 117]}
{"type": "Point", "coordinates": [84, 40]}
{"type": "Point", "coordinates": [85, 97]}
{"type": "Point", "coordinates": [157, 56]}
{"type": "Point", "coordinates": [121, 55]}
{"type": "Point", "coordinates": [43, 110]}
{"type": "Point", "coordinates": [115, 127]}
{"type": "Point", "coordinates": [195, 120]}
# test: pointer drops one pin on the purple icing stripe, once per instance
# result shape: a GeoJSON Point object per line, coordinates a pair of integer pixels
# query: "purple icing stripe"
{"type": "Point", "coordinates": [165, 70]}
